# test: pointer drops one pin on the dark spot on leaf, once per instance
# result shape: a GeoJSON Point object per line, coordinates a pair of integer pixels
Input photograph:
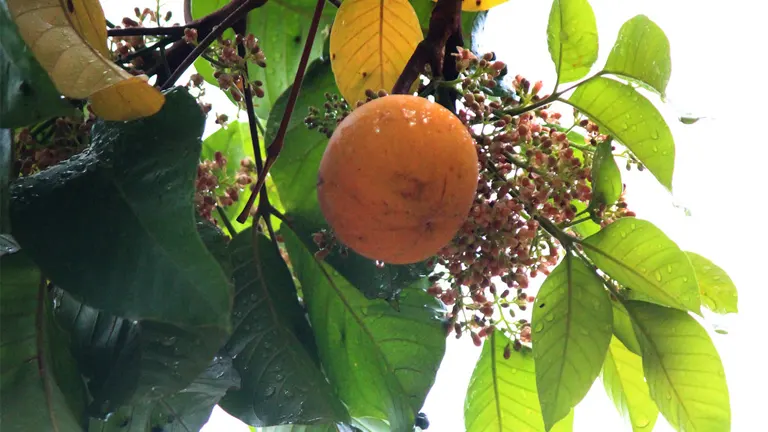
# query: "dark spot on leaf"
{"type": "Point", "coordinates": [25, 89]}
{"type": "Point", "coordinates": [542, 305]}
{"type": "Point", "coordinates": [297, 39]}
{"type": "Point", "coordinates": [333, 56]}
{"type": "Point", "coordinates": [125, 422]}
{"type": "Point", "coordinates": [365, 74]}
{"type": "Point", "coordinates": [70, 6]}
{"type": "Point", "coordinates": [478, 2]}
{"type": "Point", "coordinates": [343, 336]}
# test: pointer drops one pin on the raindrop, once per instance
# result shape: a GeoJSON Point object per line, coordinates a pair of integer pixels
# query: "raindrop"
{"type": "Point", "coordinates": [655, 149]}
{"type": "Point", "coordinates": [168, 341]}
{"type": "Point", "coordinates": [254, 297]}
{"type": "Point", "coordinates": [550, 317]}
{"type": "Point", "coordinates": [655, 135]}
{"type": "Point", "coordinates": [668, 395]}
{"type": "Point", "coordinates": [657, 274]}
{"type": "Point", "coordinates": [287, 393]}
{"type": "Point", "coordinates": [625, 126]}
{"type": "Point", "coordinates": [642, 422]}
{"type": "Point", "coordinates": [279, 377]}
{"type": "Point", "coordinates": [513, 370]}
{"type": "Point", "coordinates": [269, 391]}
{"type": "Point", "coordinates": [538, 327]}
{"type": "Point", "coordinates": [584, 331]}
{"type": "Point", "coordinates": [623, 234]}
{"type": "Point", "coordinates": [669, 268]}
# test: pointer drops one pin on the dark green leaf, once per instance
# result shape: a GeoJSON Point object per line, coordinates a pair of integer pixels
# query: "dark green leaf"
{"type": "Point", "coordinates": [381, 361]}
{"type": "Point", "coordinates": [502, 393]}
{"type": "Point", "coordinates": [606, 177]}
{"type": "Point", "coordinates": [6, 167]}
{"type": "Point", "coordinates": [27, 94]}
{"type": "Point", "coordinates": [295, 175]}
{"type": "Point", "coordinates": [622, 327]}
{"type": "Point", "coordinates": [641, 257]}
{"type": "Point", "coordinates": [632, 119]}
{"type": "Point", "coordinates": [641, 53]}
{"type": "Point", "coordinates": [718, 292]}
{"type": "Point", "coordinates": [273, 345]}
{"type": "Point", "coordinates": [624, 383]}
{"type": "Point", "coordinates": [682, 368]}
{"type": "Point", "coordinates": [571, 331]}
{"type": "Point", "coordinates": [572, 38]}
{"type": "Point", "coordinates": [39, 385]}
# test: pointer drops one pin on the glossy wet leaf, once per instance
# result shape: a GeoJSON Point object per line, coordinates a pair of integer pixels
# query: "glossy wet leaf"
{"type": "Point", "coordinates": [125, 240]}
{"type": "Point", "coordinates": [63, 37]}
{"type": "Point", "coordinates": [39, 385]}
{"type": "Point", "coordinates": [371, 41]}
{"type": "Point", "coordinates": [641, 52]}
{"type": "Point", "coordinates": [382, 361]}
{"type": "Point", "coordinates": [606, 177]}
{"type": "Point", "coordinates": [718, 292]}
{"type": "Point", "coordinates": [27, 94]}
{"type": "Point", "coordinates": [572, 38]}
{"type": "Point", "coordinates": [641, 257]}
{"type": "Point", "coordinates": [625, 385]}
{"type": "Point", "coordinates": [623, 329]}
{"type": "Point", "coordinates": [273, 346]}
{"type": "Point", "coordinates": [683, 370]}
{"type": "Point", "coordinates": [632, 119]}
{"type": "Point", "coordinates": [571, 331]}
{"type": "Point", "coordinates": [502, 392]}
{"type": "Point", "coordinates": [295, 175]}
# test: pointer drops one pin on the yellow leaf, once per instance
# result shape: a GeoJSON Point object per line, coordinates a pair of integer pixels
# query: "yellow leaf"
{"type": "Point", "coordinates": [478, 5]}
{"type": "Point", "coordinates": [58, 33]}
{"type": "Point", "coordinates": [371, 41]}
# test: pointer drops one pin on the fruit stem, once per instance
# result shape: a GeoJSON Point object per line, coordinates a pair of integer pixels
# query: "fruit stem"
{"type": "Point", "coordinates": [231, 229]}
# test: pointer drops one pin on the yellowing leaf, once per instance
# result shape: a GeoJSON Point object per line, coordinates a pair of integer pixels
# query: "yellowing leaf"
{"type": "Point", "coordinates": [371, 41]}
{"type": "Point", "coordinates": [478, 5]}
{"type": "Point", "coordinates": [68, 39]}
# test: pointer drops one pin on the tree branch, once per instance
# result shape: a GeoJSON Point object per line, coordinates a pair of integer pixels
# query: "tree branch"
{"type": "Point", "coordinates": [444, 28]}
{"type": "Point", "coordinates": [277, 144]}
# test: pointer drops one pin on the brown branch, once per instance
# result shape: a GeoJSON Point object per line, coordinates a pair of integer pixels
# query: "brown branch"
{"type": "Point", "coordinates": [336, 3]}
{"type": "Point", "coordinates": [277, 144]}
{"type": "Point", "coordinates": [444, 29]}
{"type": "Point", "coordinates": [177, 31]}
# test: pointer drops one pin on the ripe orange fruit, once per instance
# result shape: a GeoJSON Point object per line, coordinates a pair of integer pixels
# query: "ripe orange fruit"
{"type": "Point", "coordinates": [398, 178]}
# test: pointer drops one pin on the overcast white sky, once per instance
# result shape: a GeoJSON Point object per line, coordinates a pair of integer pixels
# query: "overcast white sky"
{"type": "Point", "coordinates": [718, 68]}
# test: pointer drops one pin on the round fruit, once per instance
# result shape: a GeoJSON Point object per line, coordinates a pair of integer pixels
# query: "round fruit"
{"type": "Point", "coordinates": [398, 178]}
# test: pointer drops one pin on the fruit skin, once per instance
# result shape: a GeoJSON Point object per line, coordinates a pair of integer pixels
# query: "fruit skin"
{"type": "Point", "coordinates": [398, 178]}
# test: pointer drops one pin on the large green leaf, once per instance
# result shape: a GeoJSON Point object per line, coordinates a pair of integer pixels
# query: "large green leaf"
{"type": "Point", "coordinates": [606, 177]}
{"type": "Point", "coordinates": [718, 292]}
{"type": "Point", "coordinates": [641, 257]}
{"type": "Point", "coordinates": [572, 38]}
{"type": "Point", "coordinates": [641, 53]}
{"type": "Point", "coordinates": [39, 384]}
{"type": "Point", "coordinates": [27, 94]}
{"type": "Point", "coordinates": [632, 119]}
{"type": "Point", "coordinates": [571, 331]}
{"type": "Point", "coordinates": [273, 345]}
{"type": "Point", "coordinates": [381, 361]}
{"type": "Point", "coordinates": [623, 329]}
{"type": "Point", "coordinates": [624, 383]}
{"type": "Point", "coordinates": [502, 393]}
{"type": "Point", "coordinates": [682, 368]}
{"type": "Point", "coordinates": [124, 239]}
{"type": "Point", "coordinates": [295, 175]}
{"type": "Point", "coordinates": [185, 411]}
{"type": "Point", "coordinates": [6, 165]}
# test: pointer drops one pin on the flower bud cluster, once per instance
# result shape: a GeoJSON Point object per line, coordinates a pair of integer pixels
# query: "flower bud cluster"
{"type": "Point", "coordinates": [215, 187]}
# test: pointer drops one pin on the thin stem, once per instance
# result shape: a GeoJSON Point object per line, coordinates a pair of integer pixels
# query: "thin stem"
{"type": "Point", "coordinates": [109, 24]}
{"type": "Point", "coordinates": [273, 150]}
{"type": "Point", "coordinates": [161, 43]}
{"type": "Point", "coordinates": [554, 97]}
{"type": "Point", "coordinates": [227, 223]}
{"type": "Point", "coordinates": [213, 61]}
{"type": "Point", "coordinates": [575, 222]}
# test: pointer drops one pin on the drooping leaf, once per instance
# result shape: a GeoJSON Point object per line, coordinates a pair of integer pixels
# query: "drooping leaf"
{"type": "Point", "coordinates": [624, 384]}
{"type": "Point", "coordinates": [502, 393]}
{"type": "Point", "coordinates": [632, 119]}
{"type": "Point", "coordinates": [718, 292]}
{"type": "Point", "coordinates": [39, 385]}
{"type": "Point", "coordinates": [58, 34]}
{"type": "Point", "coordinates": [27, 94]}
{"type": "Point", "coordinates": [572, 38]}
{"type": "Point", "coordinates": [295, 175]}
{"type": "Point", "coordinates": [571, 331]}
{"type": "Point", "coordinates": [641, 53]}
{"type": "Point", "coordinates": [125, 240]}
{"type": "Point", "coordinates": [606, 177]}
{"type": "Point", "coordinates": [6, 165]}
{"type": "Point", "coordinates": [381, 361]}
{"type": "Point", "coordinates": [683, 370]}
{"type": "Point", "coordinates": [273, 346]}
{"type": "Point", "coordinates": [371, 41]}
{"type": "Point", "coordinates": [641, 257]}
{"type": "Point", "coordinates": [623, 329]}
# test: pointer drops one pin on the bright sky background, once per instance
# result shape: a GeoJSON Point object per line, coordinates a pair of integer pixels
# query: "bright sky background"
{"type": "Point", "coordinates": [718, 69]}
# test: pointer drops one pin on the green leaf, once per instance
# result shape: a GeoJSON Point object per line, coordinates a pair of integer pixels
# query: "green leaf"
{"type": "Point", "coordinates": [502, 392]}
{"type": "Point", "coordinates": [682, 368]}
{"type": "Point", "coordinates": [572, 38]}
{"type": "Point", "coordinates": [632, 119]}
{"type": "Point", "coordinates": [641, 257]}
{"type": "Point", "coordinates": [27, 94]}
{"type": "Point", "coordinates": [623, 329]}
{"type": "Point", "coordinates": [39, 385]}
{"type": "Point", "coordinates": [381, 361]}
{"type": "Point", "coordinates": [571, 331]}
{"type": "Point", "coordinates": [295, 175]}
{"type": "Point", "coordinates": [273, 345]}
{"type": "Point", "coordinates": [641, 53]}
{"type": "Point", "coordinates": [624, 383]}
{"type": "Point", "coordinates": [6, 166]}
{"type": "Point", "coordinates": [718, 292]}
{"type": "Point", "coordinates": [606, 177]}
